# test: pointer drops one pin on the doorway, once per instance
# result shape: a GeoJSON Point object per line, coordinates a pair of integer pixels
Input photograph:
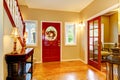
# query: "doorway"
{"type": "Point", "coordinates": [51, 41]}
{"type": "Point", "coordinates": [102, 38]}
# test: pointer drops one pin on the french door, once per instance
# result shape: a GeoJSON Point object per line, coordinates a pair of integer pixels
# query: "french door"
{"type": "Point", "coordinates": [94, 40]}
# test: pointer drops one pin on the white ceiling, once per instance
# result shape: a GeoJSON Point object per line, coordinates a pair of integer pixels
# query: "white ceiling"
{"type": "Point", "coordinates": [62, 5]}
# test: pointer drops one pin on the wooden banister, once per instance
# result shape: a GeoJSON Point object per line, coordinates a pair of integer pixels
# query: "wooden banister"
{"type": "Point", "coordinates": [12, 20]}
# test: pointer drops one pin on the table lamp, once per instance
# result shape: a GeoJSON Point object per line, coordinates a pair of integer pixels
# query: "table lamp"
{"type": "Point", "coordinates": [14, 35]}
{"type": "Point", "coordinates": [24, 39]}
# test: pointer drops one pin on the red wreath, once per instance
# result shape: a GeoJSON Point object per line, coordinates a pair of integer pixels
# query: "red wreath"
{"type": "Point", "coordinates": [51, 34]}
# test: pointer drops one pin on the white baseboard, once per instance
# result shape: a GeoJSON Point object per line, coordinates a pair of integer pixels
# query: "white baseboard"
{"type": "Point", "coordinates": [74, 60]}
{"type": "Point", "coordinates": [38, 62]}
{"type": "Point", "coordinates": [70, 60]}
{"type": "Point", "coordinates": [65, 60]}
{"type": "Point", "coordinates": [83, 61]}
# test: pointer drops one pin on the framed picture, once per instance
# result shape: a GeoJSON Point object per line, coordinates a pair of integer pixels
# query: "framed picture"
{"type": "Point", "coordinates": [70, 33]}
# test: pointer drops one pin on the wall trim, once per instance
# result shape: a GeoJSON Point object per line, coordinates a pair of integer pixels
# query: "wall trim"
{"type": "Point", "coordinates": [83, 61]}
{"type": "Point", "coordinates": [38, 62]}
{"type": "Point", "coordinates": [64, 60]}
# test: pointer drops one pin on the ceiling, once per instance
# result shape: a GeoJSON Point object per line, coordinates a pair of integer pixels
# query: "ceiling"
{"type": "Point", "coordinates": [61, 5]}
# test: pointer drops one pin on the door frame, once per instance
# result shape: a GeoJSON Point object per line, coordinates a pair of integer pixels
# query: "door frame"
{"type": "Point", "coordinates": [60, 38]}
{"type": "Point", "coordinates": [94, 16]}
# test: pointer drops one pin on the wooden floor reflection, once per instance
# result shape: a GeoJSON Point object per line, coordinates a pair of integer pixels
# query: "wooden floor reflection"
{"type": "Point", "coordinates": [73, 70]}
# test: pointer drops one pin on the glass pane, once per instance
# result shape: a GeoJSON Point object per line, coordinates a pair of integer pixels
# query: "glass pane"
{"type": "Point", "coordinates": [91, 52]}
{"type": "Point", "coordinates": [95, 56]}
{"type": "Point", "coordinates": [95, 44]}
{"type": "Point", "coordinates": [95, 40]}
{"type": "Point", "coordinates": [95, 32]}
{"type": "Point", "coordinates": [91, 33]}
{"type": "Point", "coordinates": [95, 49]}
{"type": "Point", "coordinates": [70, 34]}
{"type": "Point", "coordinates": [96, 24]}
{"type": "Point", "coordinates": [91, 25]}
{"type": "Point", "coordinates": [31, 32]}
{"type": "Point", "coordinates": [91, 41]}
{"type": "Point", "coordinates": [91, 55]}
{"type": "Point", "coordinates": [91, 48]}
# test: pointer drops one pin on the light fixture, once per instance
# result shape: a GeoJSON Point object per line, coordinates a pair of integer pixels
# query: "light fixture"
{"type": "Point", "coordinates": [14, 35]}
{"type": "Point", "coordinates": [81, 24]}
{"type": "Point", "coordinates": [24, 39]}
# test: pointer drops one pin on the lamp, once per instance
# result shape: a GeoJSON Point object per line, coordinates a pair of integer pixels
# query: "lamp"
{"type": "Point", "coordinates": [14, 35]}
{"type": "Point", "coordinates": [81, 24]}
{"type": "Point", "coordinates": [25, 36]}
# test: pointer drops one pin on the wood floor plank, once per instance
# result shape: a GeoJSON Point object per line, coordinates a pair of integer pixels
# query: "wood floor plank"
{"type": "Point", "coordinates": [72, 70]}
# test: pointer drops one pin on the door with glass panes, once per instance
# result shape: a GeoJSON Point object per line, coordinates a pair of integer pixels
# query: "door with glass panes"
{"type": "Point", "coordinates": [94, 40]}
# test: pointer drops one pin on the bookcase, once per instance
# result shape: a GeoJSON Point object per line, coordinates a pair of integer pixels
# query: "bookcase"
{"type": "Point", "coordinates": [20, 66]}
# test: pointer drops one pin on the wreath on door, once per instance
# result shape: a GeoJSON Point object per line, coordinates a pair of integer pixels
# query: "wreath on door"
{"type": "Point", "coordinates": [50, 33]}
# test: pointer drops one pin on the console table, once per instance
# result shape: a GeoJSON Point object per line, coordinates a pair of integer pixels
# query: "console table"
{"type": "Point", "coordinates": [18, 66]}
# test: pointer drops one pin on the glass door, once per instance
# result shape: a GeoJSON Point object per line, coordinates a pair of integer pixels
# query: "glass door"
{"type": "Point", "coordinates": [94, 40]}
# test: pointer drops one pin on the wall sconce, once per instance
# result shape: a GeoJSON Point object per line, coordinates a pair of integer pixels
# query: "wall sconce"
{"type": "Point", "coordinates": [81, 24]}
{"type": "Point", "coordinates": [14, 35]}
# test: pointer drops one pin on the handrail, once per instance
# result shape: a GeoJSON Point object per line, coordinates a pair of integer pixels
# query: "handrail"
{"type": "Point", "coordinates": [14, 14]}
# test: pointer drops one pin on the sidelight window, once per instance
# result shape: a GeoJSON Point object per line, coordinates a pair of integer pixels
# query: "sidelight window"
{"type": "Point", "coordinates": [70, 34]}
{"type": "Point", "coordinates": [31, 29]}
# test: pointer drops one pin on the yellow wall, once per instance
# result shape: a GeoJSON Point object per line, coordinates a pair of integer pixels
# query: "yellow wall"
{"type": "Point", "coordinates": [110, 28]}
{"type": "Point", "coordinates": [1, 41]}
{"type": "Point", "coordinates": [68, 52]}
{"type": "Point", "coordinates": [7, 41]}
{"type": "Point", "coordinates": [119, 26]}
{"type": "Point", "coordinates": [96, 7]}
{"type": "Point", "coordinates": [105, 21]}
{"type": "Point", "coordinates": [114, 28]}
{"type": "Point", "coordinates": [119, 22]}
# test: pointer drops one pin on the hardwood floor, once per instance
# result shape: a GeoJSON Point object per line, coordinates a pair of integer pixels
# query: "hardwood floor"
{"type": "Point", "coordinates": [73, 70]}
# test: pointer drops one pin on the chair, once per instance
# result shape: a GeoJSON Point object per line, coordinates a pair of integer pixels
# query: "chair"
{"type": "Point", "coordinates": [115, 51]}
{"type": "Point", "coordinates": [104, 51]}
{"type": "Point", "coordinates": [104, 54]}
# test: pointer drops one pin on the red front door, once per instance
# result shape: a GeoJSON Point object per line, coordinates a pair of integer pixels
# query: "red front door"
{"type": "Point", "coordinates": [50, 41]}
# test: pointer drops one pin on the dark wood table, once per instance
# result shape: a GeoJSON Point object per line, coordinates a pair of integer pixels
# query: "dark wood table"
{"type": "Point", "coordinates": [16, 64]}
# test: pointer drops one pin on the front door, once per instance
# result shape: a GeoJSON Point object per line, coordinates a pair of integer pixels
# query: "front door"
{"type": "Point", "coordinates": [50, 41]}
{"type": "Point", "coordinates": [94, 40]}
